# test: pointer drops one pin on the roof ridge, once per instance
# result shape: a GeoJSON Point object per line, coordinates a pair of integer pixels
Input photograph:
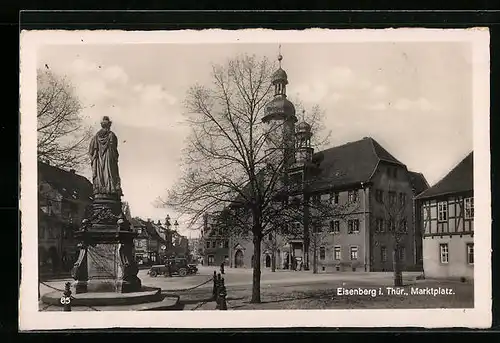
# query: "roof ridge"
{"type": "Point", "coordinates": [447, 174]}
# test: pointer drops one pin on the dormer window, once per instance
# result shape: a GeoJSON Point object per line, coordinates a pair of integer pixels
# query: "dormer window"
{"type": "Point", "coordinates": [353, 196]}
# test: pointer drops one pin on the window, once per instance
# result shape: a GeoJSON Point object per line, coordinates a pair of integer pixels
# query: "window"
{"type": "Point", "coordinates": [470, 253]}
{"type": "Point", "coordinates": [270, 237]}
{"type": "Point", "coordinates": [469, 208]}
{"type": "Point", "coordinates": [391, 226]}
{"type": "Point", "coordinates": [221, 244]}
{"type": "Point", "coordinates": [322, 253]}
{"type": "Point", "coordinates": [353, 226]}
{"type": "Point", "coordinates": [226, 244]}
{"type": "Point", "coordinates": [379, 225]}
{"type": "Point", "coordinates": [383, 254]}
{"type": "Point", "coordinates": [379, 195]}
{"type": "Point", "coordinates": [316, 228]}
{"type": "Point", "coordinates": [402, 253]}
{"type": "Point", "coordinates": [442, 211]}
{"type": "Point", "coordinates": [392, 198]}
{"type": "Point", "coordinates": [354, 253]}
{"type": "Point", "coordinates": [208, 244]}
{"type": "Point", "coordinates": [334, 226]}
{"type": "Point", "coordinates": [211, 260]}
{"type": "Point", "coordinates": [41, 232]}
{"type": "Point", "coordinates": [395, 173]}
{"type": "Point", "coordinates": [352, 196]}
{"type": "Point", "coordinates": [443, 252]}
{"type": "Point", "coordinates": [51, 233]}
{"type": "Point", "coordinates": [403, 226]}
{"type": "Point", "coordinates": [402, 199]}
{"type": "Point", "coordinates": [296, 179]}
{"type": "Point", "coordinates": [334, 198]}
{"type": "Point", "coordinates": [214, 244]}
{"type": "Point", "coordinates": [337, 253]}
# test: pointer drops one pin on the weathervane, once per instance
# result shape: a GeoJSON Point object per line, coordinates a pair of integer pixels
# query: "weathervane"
{"type": "Point", "coordinates": [280, 57]}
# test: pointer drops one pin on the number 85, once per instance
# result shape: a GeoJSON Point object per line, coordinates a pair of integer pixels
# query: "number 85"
{"type": "Point", "coordinates": [65, 300]}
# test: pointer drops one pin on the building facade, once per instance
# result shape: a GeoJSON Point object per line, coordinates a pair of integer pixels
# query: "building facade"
{"type": "Point", "coordinates": [151, 242]}
{"type": "Point", "coordinates": [214, 244]}
{"type": "Point", "coordinates": [63, 197]}
{"type": "Point", "coordinates": [446, 219]}
{"type": "Point", "coordinates": [367, 182]}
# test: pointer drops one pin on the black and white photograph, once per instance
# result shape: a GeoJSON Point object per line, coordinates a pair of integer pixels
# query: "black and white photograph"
{"type": "Point", "coordinates": [316, 178]}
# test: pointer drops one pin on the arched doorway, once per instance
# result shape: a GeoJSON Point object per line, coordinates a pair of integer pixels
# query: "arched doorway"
{"type": "Point", "coordinates": [238, 259]}
{"type": "Point", "coordinates": [268, 261]}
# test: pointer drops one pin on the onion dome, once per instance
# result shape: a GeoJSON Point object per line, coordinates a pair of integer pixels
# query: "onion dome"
{"type": "Point", "coordinates": [280, 106]}
{"type": "Point", "coordinates": [279, 76]}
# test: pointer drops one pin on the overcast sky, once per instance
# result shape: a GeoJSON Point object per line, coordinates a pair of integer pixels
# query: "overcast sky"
{"type": "Point", "coordinates": [415, 99]}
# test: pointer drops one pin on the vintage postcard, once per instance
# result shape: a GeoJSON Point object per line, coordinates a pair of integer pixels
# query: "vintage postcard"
{"type": "Point", "coordinates": [255, 178]}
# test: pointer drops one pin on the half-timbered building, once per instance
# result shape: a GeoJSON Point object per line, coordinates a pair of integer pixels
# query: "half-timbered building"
{"type": "Point", "coordinates": [446, 219]}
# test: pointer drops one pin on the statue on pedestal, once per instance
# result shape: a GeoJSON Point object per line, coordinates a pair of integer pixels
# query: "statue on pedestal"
{"type": "Point", "coordinates": [106, 258]}
{"type": "Point", "coordinates": [103, 151]}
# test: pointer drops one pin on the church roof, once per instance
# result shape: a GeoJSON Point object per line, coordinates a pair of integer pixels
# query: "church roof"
{"type": "Point", "coordinates": [350, 163]}
{"type": "Point", "coordinates": [459, 179]}
{"type": "Point", "coordinates": [69, 184]}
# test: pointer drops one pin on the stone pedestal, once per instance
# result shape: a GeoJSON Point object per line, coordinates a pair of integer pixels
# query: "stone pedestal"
{"type": "Point", "coordinates": [106, 262]}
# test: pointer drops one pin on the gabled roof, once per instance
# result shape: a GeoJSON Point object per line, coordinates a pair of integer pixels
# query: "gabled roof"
{"type": "Point", "coordinates": [459, 179]}
{"type": "Point", "coordinates": [69, 184]}
{"type": "Point", "coordinates": [350, 163]}
{"type": "Point", "coordinates": [418, 182]}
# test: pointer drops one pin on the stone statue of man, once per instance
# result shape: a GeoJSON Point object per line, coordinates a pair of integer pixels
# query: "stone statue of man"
{"type": "Point", "coordinates": [103, 151]}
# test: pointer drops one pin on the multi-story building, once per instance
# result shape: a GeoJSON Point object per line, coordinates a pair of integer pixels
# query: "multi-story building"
{"type": "Point", "coordinates": [373, 189]}
{"type": "Point", "coordinates": [369, 183]}
{"type": "Point", "coordinates": [214, 243]}
{"type": "Point", "coordinates": [149, 245]}
{"type": "Point", "coordinates": [446, 219]}
{"type": "Point", "coordinates": [63, 197]}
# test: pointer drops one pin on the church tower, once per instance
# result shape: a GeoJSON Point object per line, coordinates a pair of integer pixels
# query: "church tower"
{"type": "Point", "coordinates": [303, 149]}
{"type": "Point", "coordinates": [281, 119]}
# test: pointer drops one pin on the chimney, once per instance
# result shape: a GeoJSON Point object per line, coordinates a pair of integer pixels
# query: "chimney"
{"type": "Point", "coordinates": [159, 222]}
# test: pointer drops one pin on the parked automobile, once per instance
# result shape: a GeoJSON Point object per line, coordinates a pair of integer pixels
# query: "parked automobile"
{"type": "Point", "coordinates": [178, 266]}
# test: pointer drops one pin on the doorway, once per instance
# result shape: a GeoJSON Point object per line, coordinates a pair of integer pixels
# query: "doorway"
{"type": "Point", "coordinates": [268, 261]}
{"type": "Point", "coordinates": [238, 259]}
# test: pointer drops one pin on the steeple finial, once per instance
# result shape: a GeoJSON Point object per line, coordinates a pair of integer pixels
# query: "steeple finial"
{"type": "Point", "coordinates": [303, 114]}
{"type": "Point", "coordinates": [280, 57]}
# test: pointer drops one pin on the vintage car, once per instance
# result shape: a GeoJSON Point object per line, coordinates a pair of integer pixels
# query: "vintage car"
{"type": "Point", "coordinates": [178, 266]}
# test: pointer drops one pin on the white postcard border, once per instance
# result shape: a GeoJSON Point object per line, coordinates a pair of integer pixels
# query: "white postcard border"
{"type": "Point", "coordinates": [478, 317]}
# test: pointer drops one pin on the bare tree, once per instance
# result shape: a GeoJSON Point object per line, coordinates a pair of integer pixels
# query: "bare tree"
{"type": "Point", "coordinates": [62, 136]}
{"type": "Point", "coordinates": [232, 163]}
{"type": "Point", "coordinates": [397, 212]}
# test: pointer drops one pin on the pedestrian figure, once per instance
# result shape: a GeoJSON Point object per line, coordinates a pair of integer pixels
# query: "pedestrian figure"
{"type": "Point", "coordinates": [222, 267]}
{"type": "Point", "coordinates": [169, 268]}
